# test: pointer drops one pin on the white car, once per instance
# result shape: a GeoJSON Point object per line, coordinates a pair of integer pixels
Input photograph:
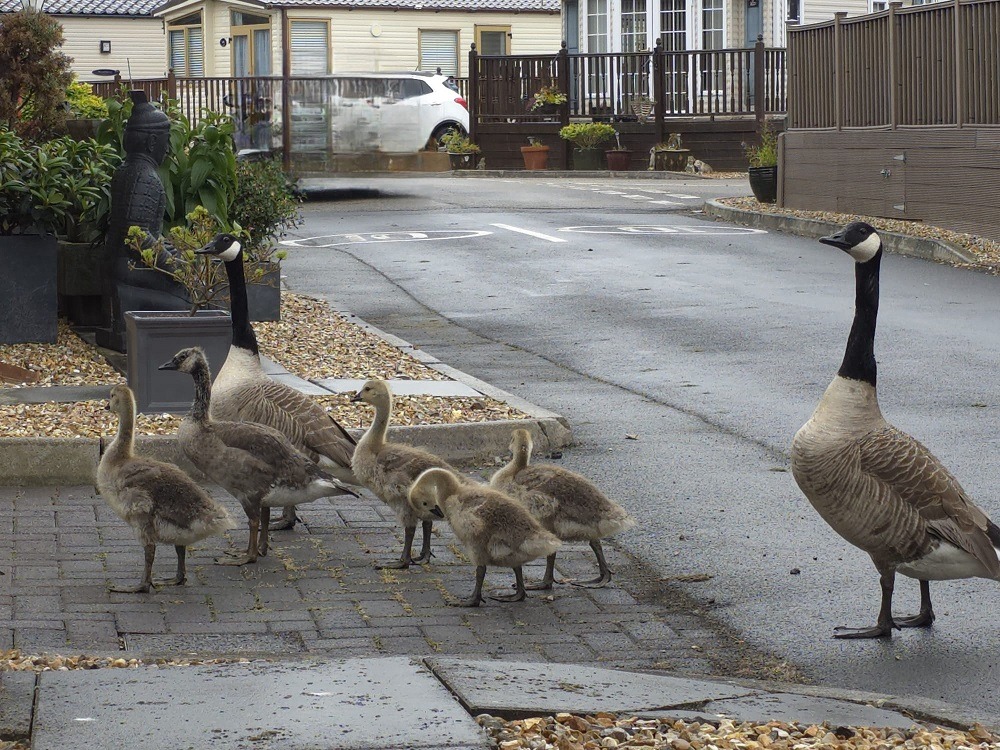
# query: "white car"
{"type": "Point", "coordinates": [387, 112]}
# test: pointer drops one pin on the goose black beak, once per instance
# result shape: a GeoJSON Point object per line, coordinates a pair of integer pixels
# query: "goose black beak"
{"type": "Point", "coordinates": [356, 397]}
{"type": "Point", "coordinates": [436, 511]}
{"type": "Point", "coordinates": [837, 240]}
{"type": "Point", "coordinates": [171, 365]}
{"type": "Point", "coordinates": [209, 249]}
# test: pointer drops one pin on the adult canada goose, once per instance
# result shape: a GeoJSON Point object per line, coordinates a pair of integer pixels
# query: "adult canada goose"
{"type": "Point", "coordinates": [158, 500]}
{"type": "Point", "coordinates": [388, 469]}
{"type": "Point", "coordinates": [875, 485]}
{"type": "Point", "coordinates": [242, 391]}
{"type": "Point", "coordinates": [565, 503]}
{"type": "Point", "coordinates": [494, 529]}
{"type": "Point", "coordinates": [255, 463]}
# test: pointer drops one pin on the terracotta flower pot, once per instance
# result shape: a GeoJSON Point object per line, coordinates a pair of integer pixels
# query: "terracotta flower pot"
{"type": "Point", "coordinates": [535, 157]}
{"type": "Point", "coordinates": [618, 159]}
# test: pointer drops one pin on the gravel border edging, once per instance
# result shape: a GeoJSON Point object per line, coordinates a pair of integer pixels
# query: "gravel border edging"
{"type": "Point", "coordinates": [894, 242]}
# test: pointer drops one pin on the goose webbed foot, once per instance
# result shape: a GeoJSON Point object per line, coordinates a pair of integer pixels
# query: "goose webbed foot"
{"type": "Point", "coordinates": [477, 594]}
{"type": "Point", "coordinates": [604, 572]}
{"type": "Point", "coordinates": [425, 547]}
{"type": "Point", "coordinates": [878, 631]}
{"type": "Point", "coordinates": [401, 564]}
{"type": "Point", "coordinates": [925, 617]}
{"type": "Point", "coordinates": [175, 581]}
{"type": "Point", "coordinates": [180, 578]}
{"type": "Point", "coordinates": [406, 558]}
{"type": "Point", "coordinates": [884, 625]}
{"type": "Point", "coordinates": [149, 552]}
{"type": "Point", "coordinates": [288, 520]}
{"type": "Point", "coordinates": [519, 594]}
{"type": "Point", "coordinates": [548, 579]}
{"type": "Point", "coordinates": [250, 556]}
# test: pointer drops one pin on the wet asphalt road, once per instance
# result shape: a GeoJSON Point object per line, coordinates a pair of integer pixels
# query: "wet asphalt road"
{"type": "Point", "coordinates": [711, 350]}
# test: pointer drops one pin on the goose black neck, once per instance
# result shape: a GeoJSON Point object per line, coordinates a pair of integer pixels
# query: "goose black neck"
{"type": "Point", "coordinates": [202, 390]}
{"type": "Point", "coordinates": [239, 308]}
{"type": "Point", "coordinates": [859, 357]}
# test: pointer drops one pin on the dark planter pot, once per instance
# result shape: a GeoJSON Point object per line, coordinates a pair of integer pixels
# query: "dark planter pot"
{"type": "Point", "coordinates": [29, 307]}
{"type": "Point", "coordinates": [764, 183]}
{"type": "Point", "coordinates": [263, 297]}
{"type": "Point", "coordinates": [672, 160]}
{"type": "Point", "coordinates": [463, 161]}
{"type": "Point", "coordinates": [79, 282]}
{"type": "Point", "coordinates": [588, 159]}
{"type": "Point", "coordinates": [153, 337]}
{"type": "Point", "coordinates": [549, 112]}
{"type": "Point", "coordinates": [618, 159]}
{"type": "Point", "coordinates": [535, 157]}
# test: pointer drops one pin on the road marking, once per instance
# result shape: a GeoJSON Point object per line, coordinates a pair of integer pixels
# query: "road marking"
{"type": "Point", "coordinates": [667, 203]}
{"type": "Point", "coordinates": [332, 240]}
{"type": "Point", "coordinates": [530, 233]}
{"type": "Point", "coordinates": [680, 195]}
{"type": "Point", "coordinates": [720, 229]}
{"type": "Point", "coordinates": [638, 197]}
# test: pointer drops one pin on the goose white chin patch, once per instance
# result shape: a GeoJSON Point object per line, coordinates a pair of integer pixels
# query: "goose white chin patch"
{"type": "Point", "coordinates": [232, 252]}
{"type": "Point", "coordinates": [864, 251]}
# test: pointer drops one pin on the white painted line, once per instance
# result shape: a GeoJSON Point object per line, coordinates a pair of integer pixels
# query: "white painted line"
{"type": "Point", "coordinates": [667, 203]}
{"type": "Point", "coordinates": [638, 197]}
{"type": "Point", "coordinates": [680, 195]}
{"type": "Point", "coordinates": [608, 192]}
{"type": "Point", "coordinates": [530, 233]}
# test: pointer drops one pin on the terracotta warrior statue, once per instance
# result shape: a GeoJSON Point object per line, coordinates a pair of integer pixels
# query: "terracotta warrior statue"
{"type": "Point", "coordinates": [137, 199]}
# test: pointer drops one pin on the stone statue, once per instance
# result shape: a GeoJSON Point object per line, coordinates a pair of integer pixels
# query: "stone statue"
{"type": "Point", "coordinates": [137, 199]}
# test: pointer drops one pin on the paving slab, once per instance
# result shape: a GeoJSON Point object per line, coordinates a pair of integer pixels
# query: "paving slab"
{"type": "Point", "coordinates": [402, 387]}
{"type": "Point", "coordinates": [513, 689]}
{"type": "Point", "coordinates": [353, 704]}
{"type": "Point", "coordinates": [300, 384]}
{"type": "Point", "coordinates": [63, 394]}
{"type": "Point", "coordinates": [17, 694]}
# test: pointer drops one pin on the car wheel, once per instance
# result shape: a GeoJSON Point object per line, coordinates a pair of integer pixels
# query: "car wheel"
{"type": "Point", "coordinates": [440, 130]}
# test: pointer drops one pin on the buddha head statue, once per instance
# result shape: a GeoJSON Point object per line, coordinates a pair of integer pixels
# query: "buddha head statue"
{"type": "Point", "coordinates": [147, 130]}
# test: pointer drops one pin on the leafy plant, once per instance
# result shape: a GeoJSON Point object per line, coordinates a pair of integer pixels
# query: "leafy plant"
{"type": "Point", "coordinates": [586, 134]}
{"type": "Point", "coordinates": [765, 154]}
{"type": "Point", "coordinates": [84, 103]}
{"type": "Point", "coordinates": [61, 186]}
{"type": "Point", "coordinates": [456, 143]}
{"type": "Point", "coordinates": [266, 204]}
{"type": "Point", "coordinates": [35, 74]}
{"type": "Point", "coordinates": [547, 95]}
{"type": "Point", "coordinates": [201, 276]}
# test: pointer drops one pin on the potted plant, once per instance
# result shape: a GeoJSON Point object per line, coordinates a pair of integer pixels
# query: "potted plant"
{"type": "Point", "coordinates": [669, 156]}
{"type": "Point", "coordinates": [154, 336]}
{"type": "Point", "coordinates": [547, 100]}
{"type": "Point", "coordinates": [535, 154]}
{"type": "Point", "coordinates": [266, 204]}
{"type": "Point", "coordinates": [586, 137]}
{"type": "Point", "coordinates": [33, 204]}
{"type": "Point", "coordinates": [86, 111]}
{"type": "Point", "coordinates": [618, 157]}
{"type": "Point", "coordinates": [463, 153]}
{"type": "Point", "coordinates": [763, 161]}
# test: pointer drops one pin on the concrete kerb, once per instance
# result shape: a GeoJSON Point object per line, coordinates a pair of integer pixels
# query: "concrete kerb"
{"type": "Point", "coordinates": [37, 461]}
{"type": "Point", "coordinates": [901, 244]}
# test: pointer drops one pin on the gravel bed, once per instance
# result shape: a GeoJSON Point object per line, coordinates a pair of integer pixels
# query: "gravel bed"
{"type": "Point", "coordinates": [986, 250]}
{"type": "Point", "coordinates": [311, 341]}
{"type": "Point", "coordinates": [604, 730]}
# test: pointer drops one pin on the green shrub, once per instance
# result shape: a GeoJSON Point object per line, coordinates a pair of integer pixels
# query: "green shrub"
{"type": "Point", "coordinates": [766, 154]}
{"type": "Point", "coordinates": [265, 206]}
{"type": "Point", "coordinates": [84, 103]}
{"type": "Point", "coordinates": [456, 143]}
{"type": "Point", "coordinates": [587, 134]}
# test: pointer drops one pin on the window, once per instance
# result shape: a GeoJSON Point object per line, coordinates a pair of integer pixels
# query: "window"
{"type": "Point", "coordinates": [795, 11]}
{"type": "Point", "coordinates": [874, 6]}
{"type": "Point", "coordinates": [713, 35]}
{"type": "Point", "coordinates": [673, 25]}
{"type": "Point", "coordinates": [439, 49]}
{"type": "Point", "coordinates": [492, 40]}
{"type": "Point", "coordinates": [310, 43]}
{"type": "Point", "coordinates": [186, 46]}
{"type": "Point", "coordinates": [633, 25]}
{"type": "Point", "coordinates": [597, 26]}
{"type": "Point", "coordinates": [251, 44]}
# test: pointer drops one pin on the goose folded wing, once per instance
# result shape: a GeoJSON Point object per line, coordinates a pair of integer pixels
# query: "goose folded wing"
{"type": "Point", "coordinates": [260, 448]}
{"type": "Point", "coordinates": [401, 464]}
{"type": "Point", "coordinates": [917, 478]}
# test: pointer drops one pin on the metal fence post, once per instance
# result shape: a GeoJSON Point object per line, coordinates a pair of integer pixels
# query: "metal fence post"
{"type": "Point", "coordinates": [564, 88]}
{"type": "Point", "coordinates": [957, 9]}
{"type": "Point", "coordinates": [759, 107]}
{"type": "Point", "coordinates": [659, 89]}
{"type": "Point", "coordinates": [473, 100]}
{"type": "Point", "coordinates": [838, 69]}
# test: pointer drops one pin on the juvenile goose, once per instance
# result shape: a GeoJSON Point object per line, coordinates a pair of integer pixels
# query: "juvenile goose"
{"type": "Point", "coordinates": [253, 462]}
{"type": "Point", "coordinates": [879, 488]}
{"type": "Point", "coordinates": [242, 391]}
{"type": "Point", "coordinates": [563, 502]}
{"type": "Point", "coordinates": [494, 528]}
{"type": "Point", "coordinates": [388, 469]}
{"type": "Point", "coordinates": [157, 499]}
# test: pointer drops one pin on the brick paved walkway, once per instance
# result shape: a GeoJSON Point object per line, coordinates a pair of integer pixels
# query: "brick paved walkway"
{"type": "Point", "coordinates": [315, 593]}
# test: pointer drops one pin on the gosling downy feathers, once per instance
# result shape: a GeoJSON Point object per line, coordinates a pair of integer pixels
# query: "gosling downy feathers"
{"type": "Point", "coordinates": [879, 488]}
{"type": "Point", "coordinates": [388, 469]}
{"type": "Point", "coordinates": [563, 502]}
{"type": "Point", "coordinates": [255, 463]}
{"type": "Point", "coordinates": [242, 391]}
{"type": "Point", "coordinates": [494, 529]}
{"type": "Point", "coordinates": [157, 499]}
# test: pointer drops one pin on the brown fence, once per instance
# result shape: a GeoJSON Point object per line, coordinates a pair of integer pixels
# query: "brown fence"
{"type": "Point", "coordinates": [924, 65]}
{"type": "Point", "coordinates": [630, 86]}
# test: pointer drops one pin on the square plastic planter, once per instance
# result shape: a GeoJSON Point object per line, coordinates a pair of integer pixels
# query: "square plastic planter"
{"type": "Point", "coordinates": [29, 309]}
{"type": "Point", "coordinates": [153, 337]}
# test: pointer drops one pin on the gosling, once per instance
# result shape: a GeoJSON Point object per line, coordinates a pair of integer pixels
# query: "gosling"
{"type": "Point", "coordinates": [157, 499]}
{"type": "Point", "coordinates": [563, 502]}
{"type": "Point", "coordinates": [493, 528]}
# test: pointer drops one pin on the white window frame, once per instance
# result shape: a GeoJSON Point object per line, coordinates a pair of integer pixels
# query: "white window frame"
{"type": "Point", "coordinates": [329, 43]}
{"type": "Point", "coordinates": [876, 6]}
{"type": "Point", "coordinates": [458, 50]}
{"type": "Point", "coordinates": [182, 25]}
